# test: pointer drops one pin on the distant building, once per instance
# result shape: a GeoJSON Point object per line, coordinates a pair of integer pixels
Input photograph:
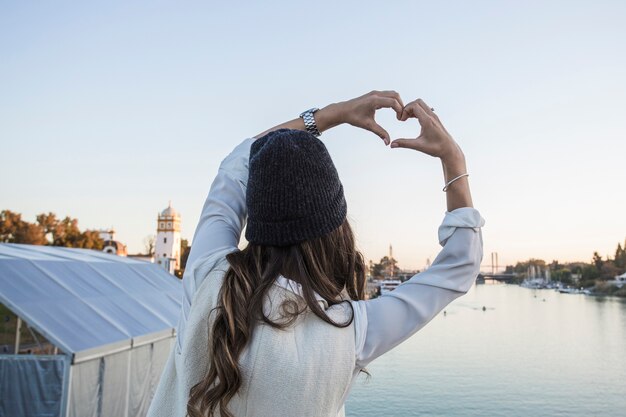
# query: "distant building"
{"type": "Point", "coordinates": [111, 245]}
{"type": "Point", "coordinates": [142, 257]}
{"type": "Point", "coordinates": [167, 245]}
{"type": "Point", "coordinates": [168, 240]}
{"type": "Point", "coordinates": [106, 234]}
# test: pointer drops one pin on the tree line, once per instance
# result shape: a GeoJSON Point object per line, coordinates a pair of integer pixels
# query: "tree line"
{"type": "Point", "coordinates": [583, 274]}
{"type": "Point", "coordinates": [48, 229]}
{"type": "Point", "coordinates": [383, 268]}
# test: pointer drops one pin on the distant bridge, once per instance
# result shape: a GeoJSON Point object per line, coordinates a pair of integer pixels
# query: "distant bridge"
{"type": "Point", "coordinates": [495, 277]}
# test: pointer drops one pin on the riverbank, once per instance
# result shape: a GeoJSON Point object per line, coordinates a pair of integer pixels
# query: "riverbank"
{"type": "Point", "coordinates": [607, 289]}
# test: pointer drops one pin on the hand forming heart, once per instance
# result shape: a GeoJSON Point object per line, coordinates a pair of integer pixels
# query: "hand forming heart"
{"type": "Point", "coordinates": [433, 139]}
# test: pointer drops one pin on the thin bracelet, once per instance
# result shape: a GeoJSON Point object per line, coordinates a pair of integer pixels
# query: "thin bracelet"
{"type": "Point", "coordinates": [445, 188]}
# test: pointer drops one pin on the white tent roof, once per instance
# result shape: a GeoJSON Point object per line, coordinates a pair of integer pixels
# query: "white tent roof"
{"type": "Point", "coordinates": [82, 299]}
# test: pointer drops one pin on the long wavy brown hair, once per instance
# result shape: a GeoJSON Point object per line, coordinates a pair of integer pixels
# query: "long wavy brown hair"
{"type": "Point", "coordinates": [328, 265]}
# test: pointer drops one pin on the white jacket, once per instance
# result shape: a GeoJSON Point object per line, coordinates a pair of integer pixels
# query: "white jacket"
{"type": "Point", "coordinates": [308, 369]}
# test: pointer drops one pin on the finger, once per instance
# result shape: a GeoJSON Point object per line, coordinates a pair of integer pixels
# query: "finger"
{"type": "Point", "coordinates": [429, 110]}
{"type": "Point", "coordinates": [423, 117]}
{"type": "Point", "coordinates": [413, 109]}
{"type": "Point", "coordinates": [389, 102]}
{"type": "Point", "coordinates": [378, 130]}
{"type": "Point", "coordinates": [393, 94]}
{"type": "Point", "coordinates": [407, 113]}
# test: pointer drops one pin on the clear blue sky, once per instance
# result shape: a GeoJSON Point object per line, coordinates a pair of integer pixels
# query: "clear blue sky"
{"type": "Point", "coordinates": [109, 110]}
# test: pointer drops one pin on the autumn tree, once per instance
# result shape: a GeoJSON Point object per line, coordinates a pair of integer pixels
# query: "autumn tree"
{"type": "Point", "coordinates": [48, 222]}
{"type": "Point", "coordinates": [15, 230]}
{"type": "Point", "coordinates": [66, 233]}
{"type": "Point", "coordinates": [48, 230]}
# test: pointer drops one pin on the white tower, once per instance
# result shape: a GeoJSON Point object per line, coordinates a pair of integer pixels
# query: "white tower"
{"type": "Point", "coordinates": [167, 245]}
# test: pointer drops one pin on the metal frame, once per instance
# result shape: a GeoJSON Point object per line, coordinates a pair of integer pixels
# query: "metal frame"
{"type": "Point", "coordinates": [111, 348]}
{"type": "Point", "coordinates": [67, 385]}
{"type": "Point", "coordinates": [32, 323]}
{"type": "Point", "coordinates": [100, 351]}
{"type": "Point", "coordinates": [18, 335]}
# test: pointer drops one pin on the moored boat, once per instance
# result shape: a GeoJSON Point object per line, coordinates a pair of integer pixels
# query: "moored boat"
{"type": "Point", "coordinates": [570, 290]}
{"type": "Point", "coordinates": [389, 285]}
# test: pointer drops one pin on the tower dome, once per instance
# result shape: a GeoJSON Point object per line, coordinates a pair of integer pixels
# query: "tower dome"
{"type": "Point", "coordinates": [170, 211]}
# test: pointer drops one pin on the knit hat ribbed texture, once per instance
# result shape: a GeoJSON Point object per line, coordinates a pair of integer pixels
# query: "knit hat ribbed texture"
{"type": "Point", "coordinates": [294, 192]}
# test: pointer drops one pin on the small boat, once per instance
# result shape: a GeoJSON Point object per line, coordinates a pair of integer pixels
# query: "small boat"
{"type": "Point", "coordinates": [570, 290]}
{"type": "Point", "coordinates": [389, 285]}
{"type": "Point", "coordinates": [535, 283]}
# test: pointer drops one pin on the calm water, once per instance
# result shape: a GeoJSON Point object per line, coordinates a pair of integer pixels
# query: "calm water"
{"type": "Point", "coordinates": [531, 353]}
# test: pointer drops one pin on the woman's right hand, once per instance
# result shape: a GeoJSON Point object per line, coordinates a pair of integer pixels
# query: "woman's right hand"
{"type": "Point", "coordinates": [434, 139]}
{"type": "Point", "coordinates": [360, 111]}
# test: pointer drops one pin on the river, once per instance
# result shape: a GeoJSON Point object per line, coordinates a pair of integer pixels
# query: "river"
{"type": "Point", "coordinates": [530, 353]}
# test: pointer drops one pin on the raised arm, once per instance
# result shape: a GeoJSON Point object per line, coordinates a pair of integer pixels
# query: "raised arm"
{"type": "Point", "coordinates": [387, 321]}
{"type": "Point", "coordinates": [219, 229]}
{"type": "Point", "coordinates": [390, 319]}
{"type": "Point", "coordinates": [224, 212]}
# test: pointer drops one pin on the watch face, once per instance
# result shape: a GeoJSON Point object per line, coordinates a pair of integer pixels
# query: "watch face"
{"type": "Point", "coordinates": [313, 110]}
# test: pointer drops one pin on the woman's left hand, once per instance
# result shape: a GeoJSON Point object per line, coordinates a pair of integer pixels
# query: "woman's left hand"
{"type": "Point", "coordinates": [360, 111]}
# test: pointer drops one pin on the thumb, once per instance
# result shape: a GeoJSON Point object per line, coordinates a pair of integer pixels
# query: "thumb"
{"type": "Point", "coordinates": [418, 144]}
{"type": "Point", "coordinates": [403, 143]}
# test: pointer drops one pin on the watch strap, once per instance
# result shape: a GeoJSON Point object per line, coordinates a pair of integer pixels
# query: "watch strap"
{"type": "Point", "coordinates": [309, 122]}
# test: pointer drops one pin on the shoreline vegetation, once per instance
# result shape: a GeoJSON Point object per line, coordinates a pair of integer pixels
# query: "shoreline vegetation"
{"type": "Point", "coordinates": [598, 277]}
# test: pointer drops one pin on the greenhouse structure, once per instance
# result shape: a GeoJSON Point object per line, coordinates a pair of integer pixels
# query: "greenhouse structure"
{"type": "Point", "coordinates": [89, 332]}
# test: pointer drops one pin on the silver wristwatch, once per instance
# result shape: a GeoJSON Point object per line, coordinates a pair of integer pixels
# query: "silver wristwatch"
{"type": "Point", "coordinates": [309, 121]}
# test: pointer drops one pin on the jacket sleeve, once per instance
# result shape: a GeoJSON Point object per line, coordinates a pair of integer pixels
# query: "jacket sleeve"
{"type": "Point", "coordinates": [221, 222]}
{"type": "Point", "coordinates": [384, 322]}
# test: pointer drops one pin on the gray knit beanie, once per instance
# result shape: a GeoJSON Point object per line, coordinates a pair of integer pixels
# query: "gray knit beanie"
{"type": "Point", "coordinates": [294, 193]}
